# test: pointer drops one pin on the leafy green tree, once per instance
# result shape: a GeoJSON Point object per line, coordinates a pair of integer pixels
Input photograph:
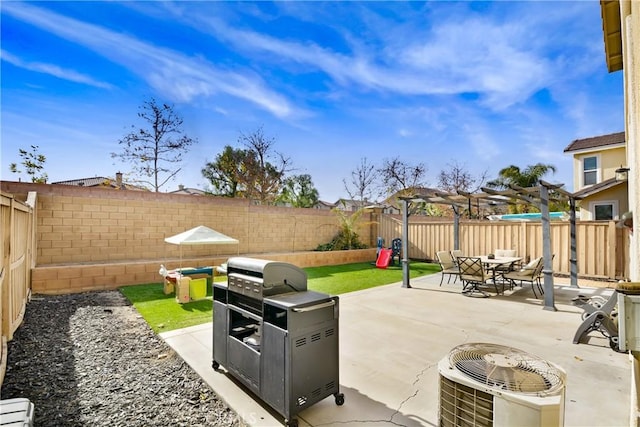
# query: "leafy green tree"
{"type": "Point", "coordinates": [529, 177]}
{"type": "Point", "coordinates": [299, 192]}
{"type": "Point", "coordinates": [33, 163]}
{"type": "Point", "coordinates": [226, 173]}
{"type": "Point", "coordinates": [155, 149]}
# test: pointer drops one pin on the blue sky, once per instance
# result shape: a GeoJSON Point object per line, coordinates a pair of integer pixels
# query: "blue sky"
{"type": "Point", "coordinates": [485, 84]}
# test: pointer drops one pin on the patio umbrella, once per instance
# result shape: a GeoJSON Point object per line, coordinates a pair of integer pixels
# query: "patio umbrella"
{"type": "Point", "coordinates": [200, 235]}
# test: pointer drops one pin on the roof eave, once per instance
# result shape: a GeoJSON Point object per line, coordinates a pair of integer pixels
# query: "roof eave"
{"type": "Point", "coordinates": [612, 31]}
{"type": "Point", "coordinates": [595, 149]}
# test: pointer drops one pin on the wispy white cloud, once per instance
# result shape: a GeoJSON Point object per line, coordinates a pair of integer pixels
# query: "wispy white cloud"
{"type": "Point", "coordinates": [178, 76]}
{"type": "Point", "coordinates": [53, 70]}
{"type": "Point", "coordinates": [469, 55]}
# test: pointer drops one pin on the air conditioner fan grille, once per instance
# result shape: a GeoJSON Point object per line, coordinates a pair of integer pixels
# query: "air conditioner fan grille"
{"type": "Point", "coordinates": [507, 369]}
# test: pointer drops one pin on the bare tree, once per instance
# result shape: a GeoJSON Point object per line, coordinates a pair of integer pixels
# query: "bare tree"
{"type": "Point", "coordinates": [398, 175]}
{"type": "Point", "coordinates": [363, 180]}
{"type": "Point", "coordinates": [155, 150]}
{"type": "Point", "coordinates": [456, 178]}
{"type": "Point", "coordinates": [264, 167]}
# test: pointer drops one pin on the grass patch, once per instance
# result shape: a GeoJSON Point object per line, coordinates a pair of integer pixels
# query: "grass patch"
{"type": "Point", "coordinates": [163, 313]}
{"type": "Point", "coordinates": [340, 279]}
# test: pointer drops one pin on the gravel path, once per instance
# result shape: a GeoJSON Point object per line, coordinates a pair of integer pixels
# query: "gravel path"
{"type": "Point", "coordinates": [91, 360]}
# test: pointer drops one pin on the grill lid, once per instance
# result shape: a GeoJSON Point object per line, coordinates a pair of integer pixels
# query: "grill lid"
{"type": "Point", "coordinates": [507, 368]}
{"type": "Point", "coordinates": [272, 274]}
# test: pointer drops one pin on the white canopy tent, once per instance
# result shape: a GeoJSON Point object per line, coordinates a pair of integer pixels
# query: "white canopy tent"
{"type": "Point", "coordinates": [200, 235]}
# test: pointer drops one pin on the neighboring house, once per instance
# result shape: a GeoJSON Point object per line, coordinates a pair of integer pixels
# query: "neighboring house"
{"type": "Point", "coordinates": [323, 206]}
{"type": "Point", "coordinates": [102, 182]}
{"type": "Point", "coordinates": [187, 190]}
{"type": "Point", "coordinates": [350, 205]}
{"type": "Point", "coordinates": [602, 194]}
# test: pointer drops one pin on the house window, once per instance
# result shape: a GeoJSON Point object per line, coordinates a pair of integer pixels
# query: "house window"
{"type": "Point", "coordinates": [604, 210]}
{"type": "Point", "coordinates": [590, 171]}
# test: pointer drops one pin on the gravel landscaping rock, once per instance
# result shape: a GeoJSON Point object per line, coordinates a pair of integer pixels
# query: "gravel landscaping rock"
{"type": "Point", "coordinates": [91, 360]}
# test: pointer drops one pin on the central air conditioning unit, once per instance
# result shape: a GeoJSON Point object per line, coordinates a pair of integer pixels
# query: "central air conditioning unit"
{"type": "Point", "coordinates": [491, 385]}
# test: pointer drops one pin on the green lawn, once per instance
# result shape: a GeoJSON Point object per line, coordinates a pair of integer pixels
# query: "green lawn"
{"type": "Point", "coordinates": [340, 279]}
{"type": "Point", "coordinates": [163, 313]}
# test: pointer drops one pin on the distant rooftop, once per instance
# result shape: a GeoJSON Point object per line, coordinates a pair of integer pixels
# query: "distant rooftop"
{"type": "Point", "coordinates": [101, 181]}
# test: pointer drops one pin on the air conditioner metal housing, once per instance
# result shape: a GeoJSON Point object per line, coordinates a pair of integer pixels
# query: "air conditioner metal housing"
{"type": "Point", "coordinates": [465, 401]}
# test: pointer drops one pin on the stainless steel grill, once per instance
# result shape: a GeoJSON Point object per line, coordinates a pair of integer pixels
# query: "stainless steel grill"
{"type": "Point", "coordinates": [275, 336]}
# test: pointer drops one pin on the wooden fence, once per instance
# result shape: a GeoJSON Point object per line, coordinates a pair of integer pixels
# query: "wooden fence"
{"type": "Point", "coordinates": [602, 248]}
{"type": "Point", "coordinates": [16, 252]}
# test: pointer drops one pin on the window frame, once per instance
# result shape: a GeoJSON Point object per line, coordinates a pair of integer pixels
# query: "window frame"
{"type": "Point", "coordinates": [615, 212]}
{"type": "Point", "coordinates": [596, 170]}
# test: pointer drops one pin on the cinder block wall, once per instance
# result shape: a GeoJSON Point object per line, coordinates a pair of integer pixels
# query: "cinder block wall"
{"type": "Point", "coordinates": [57, 279]}
{"type": "Point", "coordinates": [96, 238]}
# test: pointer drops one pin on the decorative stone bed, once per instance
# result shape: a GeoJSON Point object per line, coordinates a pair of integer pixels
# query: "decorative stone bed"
{"type": "Point", "coordinates": [90, 359]}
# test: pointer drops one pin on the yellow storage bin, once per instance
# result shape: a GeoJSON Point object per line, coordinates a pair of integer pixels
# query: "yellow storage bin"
{"type": "Point", "coordinates": [198, 289]}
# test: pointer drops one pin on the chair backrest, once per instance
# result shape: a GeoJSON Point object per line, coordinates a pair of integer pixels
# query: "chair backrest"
{"type": "Point", "coordinates": [533, 269]}
{"type": "Point", "coordinates": [501, 253]}
{"type": "Point", "coordinates": [538, 270]}
{"type": "Point", "coordinates": [445, 260]}
{"type": "Point", "coordinates": [471, 269]}
{"type": "Point", "coordinates": [456, 253]}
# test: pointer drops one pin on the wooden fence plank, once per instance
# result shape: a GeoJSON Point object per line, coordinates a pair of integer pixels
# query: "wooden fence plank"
{"type": "Point", "coordinates": [600, 250]}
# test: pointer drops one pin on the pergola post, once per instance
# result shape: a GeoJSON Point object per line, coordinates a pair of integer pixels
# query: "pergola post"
{"type": "Point", "coordinates": [549, 303]}
{"type": "Point", "coordinates": [405, 244]}
{"type": "Point", "coordinates": [456, 227]}
{"type": "Point", "coordinates": [574, 245]}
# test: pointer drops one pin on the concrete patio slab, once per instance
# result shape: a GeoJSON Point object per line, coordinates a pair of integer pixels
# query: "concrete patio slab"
{"type": "Point", "coordinates": [391, 340]}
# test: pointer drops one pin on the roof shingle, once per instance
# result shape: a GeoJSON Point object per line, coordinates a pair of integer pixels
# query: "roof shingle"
{"type": "Point", "coordinates": [596, 141]}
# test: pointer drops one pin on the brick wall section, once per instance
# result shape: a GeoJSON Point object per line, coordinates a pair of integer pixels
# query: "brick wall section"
{"type": "Point", "coordinates": [97, 238]}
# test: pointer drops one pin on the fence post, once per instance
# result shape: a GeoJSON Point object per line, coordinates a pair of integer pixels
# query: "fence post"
{"type": "Point", "coordinates": [613, 248]}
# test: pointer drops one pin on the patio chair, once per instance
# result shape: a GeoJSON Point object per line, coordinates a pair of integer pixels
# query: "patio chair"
{"type": "Point", "coordinates": [505, 268]}
{"type": "Point", "coordinates": [473, 276]}
{"type": "Point", "coordinates": [529, 273]}
{"type": "Point", "coordinates": [448, 266]}
{"type": "Point", "coordinates": [456, 253]}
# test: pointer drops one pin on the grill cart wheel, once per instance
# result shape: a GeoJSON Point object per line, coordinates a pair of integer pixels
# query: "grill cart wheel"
{"type": "Point", "coordinates": [614, 343]}
{"type": "Point", "coordinates": [339, 399]}
{"type": "Point", "coordinates": [215, 365]}
{"type": "Point", "coordinates": [292, 423]}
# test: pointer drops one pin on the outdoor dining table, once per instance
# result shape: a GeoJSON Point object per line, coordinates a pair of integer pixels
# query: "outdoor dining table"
{"type": "Point", "coordinates": [492, 264]}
